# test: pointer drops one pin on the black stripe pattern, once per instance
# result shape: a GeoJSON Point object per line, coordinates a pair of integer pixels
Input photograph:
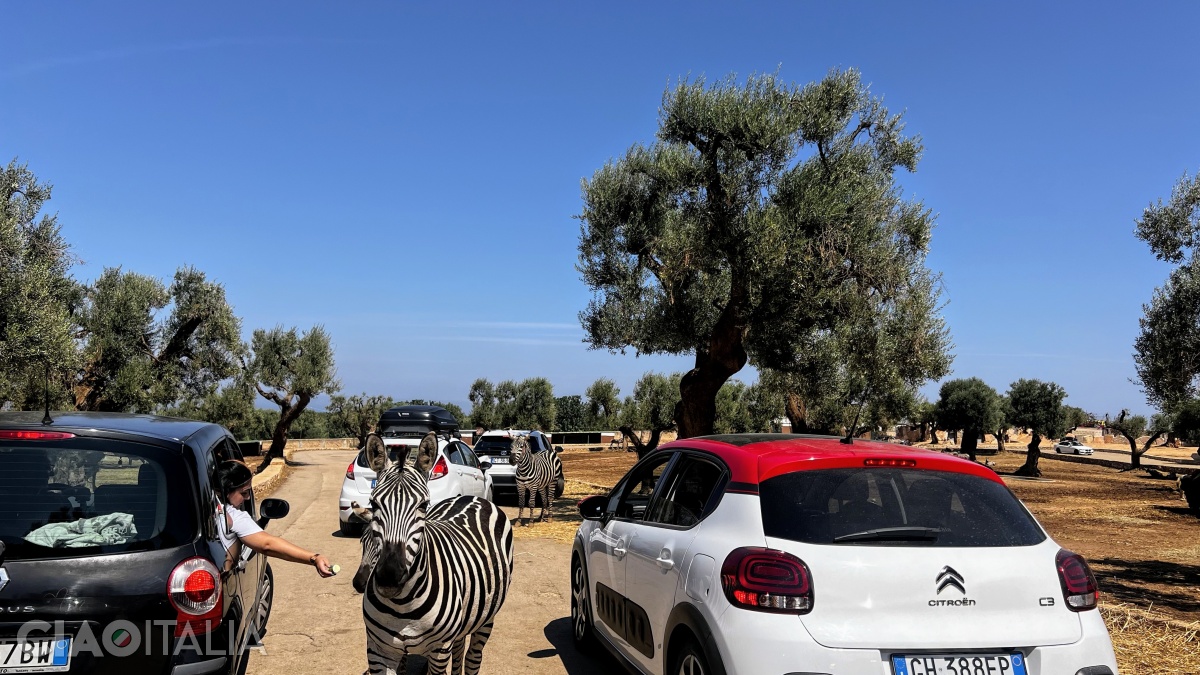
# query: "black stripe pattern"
{"type": "Point", "coordinates": [432, 579]}
{"type": "Point", "coordinates": [537, 475]}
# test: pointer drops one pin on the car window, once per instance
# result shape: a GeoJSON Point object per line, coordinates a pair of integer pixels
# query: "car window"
{"type": "Point", "coordinates": [935, 508]}
{"type": "Point", "coordinates": [493, 445]}
{"type": "Point", "coordinates": [455, 454]}
{"type": "Point", "coordinates": [632, 496]}
{"type": "Point", "coordinates": [89, 496]}
{"type": "Point", "coordinates": [687, 493]}
{"type": "Point", "coordinates": [468, 457]}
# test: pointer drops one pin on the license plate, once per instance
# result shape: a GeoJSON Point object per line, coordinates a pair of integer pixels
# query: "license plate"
{"type": "Point", "coordinates": [35, 656]}
{"type": "Point", "coordinates": [960, 664]}
{"type": "Point", "coordinates": [499, 460]}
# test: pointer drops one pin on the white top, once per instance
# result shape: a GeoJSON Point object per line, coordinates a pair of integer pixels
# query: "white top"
{"type": "Point", "coordinates": [243, 526]}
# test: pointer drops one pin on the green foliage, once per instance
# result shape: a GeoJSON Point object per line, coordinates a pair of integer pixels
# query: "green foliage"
{"type": "Point", "coordinates": [485, 412]}
{"type": "Point", "coordinates": [652, 404]}
{"type": "Point", "coordinates": [1077, 417]}
{"type": "Point", "coordinates": [1130, 426]}
{"type": "Point", "coordinates": [231, 406]}
{"type": "Point", "coordinates": [570, 414]}
{"type": "Point", "coordinates": [528, 404]}
{"type": "Point", "coordinates": [1186, 422]}
{"type": "Point", "coordinates": [356, 415]}
{"type": "Point", "coordinates": [37, 294]}
{"type": "Point", "coordinates": [603, 403]}
{"type": "Point", "coordinates": [968, 404]}
{"type": "Point", "coordinates": [764, 214]}
{"type": "Point", "coordinates": [289, 369]}
{"type": "Point", "coordinates": [763, 408]}
{"type": "Point", "coordinates": [311, 424]}
{"type": "Point", "coordinates": [1037, 406]}
{"type": "Point", "coordinates": [1166, 349]}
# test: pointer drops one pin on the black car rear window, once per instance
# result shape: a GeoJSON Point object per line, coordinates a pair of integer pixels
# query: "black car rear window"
{"type": "Point", "coordinates": [905, 507]}
{"type": "Point", "coordinates": [82, 497]}
{"type": "Point", "coordinates": [493, 445]}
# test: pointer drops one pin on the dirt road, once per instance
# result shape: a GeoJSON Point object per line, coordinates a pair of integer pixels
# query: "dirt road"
{"type": "Point", "coordinates": [316, 624]}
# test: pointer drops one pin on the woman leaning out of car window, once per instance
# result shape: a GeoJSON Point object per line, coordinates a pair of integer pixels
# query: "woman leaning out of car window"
{"type": "Point", "coordinates": [237, 527]}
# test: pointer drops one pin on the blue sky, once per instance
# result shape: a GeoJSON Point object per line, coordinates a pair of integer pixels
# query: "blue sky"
{"type": "Point", "coordinates": [407, 175]}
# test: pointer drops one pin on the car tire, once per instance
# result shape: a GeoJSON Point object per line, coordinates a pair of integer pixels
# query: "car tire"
{"type": "Point", "coordinates": [350, 529]}
{"type": "Point", "coordinates": [262, 612]}
{"type": "Point", "coordinates": [690, 660]}
{"type": "Point", "coordinates": [582, 632]}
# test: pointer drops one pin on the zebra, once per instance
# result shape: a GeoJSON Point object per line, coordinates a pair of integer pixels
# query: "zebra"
{"type": "Point", "coordinates": [537, 473]}
{"type": "Point", "coordinates": [432, 579]}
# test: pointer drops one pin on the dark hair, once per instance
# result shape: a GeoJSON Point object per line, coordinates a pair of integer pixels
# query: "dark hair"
{"type": "Point", "coordinates": [231, 475]}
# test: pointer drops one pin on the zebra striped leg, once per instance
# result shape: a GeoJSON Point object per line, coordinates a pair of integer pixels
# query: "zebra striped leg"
{"type": "Point", "coordinates": [457, 651]}
{"type": "Point", "coordinates": [546, 492]}
{"type": "Point", "coordinates": [522, 496]}
{"type": "Point", "coordinates": [439, 662]}
{"type": "Point", "coordinates": [475, 654]}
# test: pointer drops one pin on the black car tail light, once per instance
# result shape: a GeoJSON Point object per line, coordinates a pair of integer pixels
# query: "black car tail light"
{"type": "Point", "coordinates": [195, 592]}
{"type": "Point", "coordinates": [767, 580]}
{"type": "Point", "coordinates": [1079, 586]}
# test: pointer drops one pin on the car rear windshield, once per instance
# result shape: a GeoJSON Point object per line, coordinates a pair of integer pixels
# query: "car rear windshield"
{"type": "Point", "coordinates": [395, 452]}
{"type": "Point", "coordinates": [82, 497]}
{"type": "Point", "coordinates": [906, 507]}
{"type": "Point", "coordinates": [493, 445]}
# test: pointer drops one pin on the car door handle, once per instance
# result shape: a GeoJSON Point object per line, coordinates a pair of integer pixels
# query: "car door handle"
{"type": "Point", "coordinates": [664, 560]}
{"type": "Point", "coordinates": [619, 551]}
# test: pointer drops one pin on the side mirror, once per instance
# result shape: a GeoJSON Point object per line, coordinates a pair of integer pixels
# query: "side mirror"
{"type": "Point", "coordinates": [558, 448]}
{"type": "Point", "coordinates": [484, 465]}
{"type": "Point", "coordinates": [272, 509]}
{"type": "Point", "coordinates": [592, 508]}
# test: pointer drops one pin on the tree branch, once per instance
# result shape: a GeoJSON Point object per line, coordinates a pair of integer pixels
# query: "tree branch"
{"type": "Point", "coordinates": [272, 396]}
{"type": "Point", "coordinates": [178, 341]}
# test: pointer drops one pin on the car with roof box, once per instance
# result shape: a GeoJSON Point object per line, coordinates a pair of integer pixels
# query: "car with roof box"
{"type": "Point", "coordinates": [111, 560]}
{"type": "Point", "coordinates": [781, 553]}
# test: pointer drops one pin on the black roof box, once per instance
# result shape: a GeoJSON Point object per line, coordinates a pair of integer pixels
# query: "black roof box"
{"type": "Point", "coordinates": [409, 420]}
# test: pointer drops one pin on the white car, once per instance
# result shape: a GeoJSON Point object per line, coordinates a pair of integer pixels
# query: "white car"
{"type": "Point", "coordinates": [496, 447]}
{"type": "Point", "coordinates": [1072, 446]}
{"type": "Point", "coordinates": [456, 472]}
{"type": "Point", "coordinates": [758, 554]}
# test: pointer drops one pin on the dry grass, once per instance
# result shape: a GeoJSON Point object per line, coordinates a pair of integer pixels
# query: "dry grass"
{"type": "Point", "coordinates": [1148, 644]}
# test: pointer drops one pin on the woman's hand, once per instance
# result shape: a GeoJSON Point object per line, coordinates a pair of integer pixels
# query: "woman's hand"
{"type": "Point", "coordinates": [324, 567]}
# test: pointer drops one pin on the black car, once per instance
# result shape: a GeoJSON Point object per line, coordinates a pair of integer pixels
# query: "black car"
{"type": "Point", "coordinates": [111, 561]}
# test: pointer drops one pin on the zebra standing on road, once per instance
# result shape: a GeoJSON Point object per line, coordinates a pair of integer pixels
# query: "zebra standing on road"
{"type": "Point", "coordinates": [432, 579]}
{"type": "Point", "coordinates": [537, 473]}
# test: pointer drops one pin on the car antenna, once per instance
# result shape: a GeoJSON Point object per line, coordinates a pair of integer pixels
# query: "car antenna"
{"type": "Point", "coordinates": [849, 439]}
{"type": "Point", "coordinates": [46, 420]}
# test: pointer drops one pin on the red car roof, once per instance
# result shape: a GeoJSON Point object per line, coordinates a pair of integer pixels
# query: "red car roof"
{"type": "Point", "coordinates": [753, 458]}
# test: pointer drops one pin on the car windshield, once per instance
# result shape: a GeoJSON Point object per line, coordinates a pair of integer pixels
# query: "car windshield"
{"type": "Point", "coordinates": [395, 452]}
{"type": "Point", "coordinates": [87, 496]}
{"type": "Point", "coordinates": [905, 507]}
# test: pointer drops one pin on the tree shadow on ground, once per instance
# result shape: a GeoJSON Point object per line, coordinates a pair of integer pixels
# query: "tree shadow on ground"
{"type": "Point", "coordinates": [1177, 510]}
{"type": "Point", "coordinates": [1149, 582]}
{"type": "Point", "coordinates": [558, 632]}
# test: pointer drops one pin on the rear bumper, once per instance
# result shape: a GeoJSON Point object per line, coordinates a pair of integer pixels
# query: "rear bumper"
{"type": "Point", "coordinates": [760, 644]}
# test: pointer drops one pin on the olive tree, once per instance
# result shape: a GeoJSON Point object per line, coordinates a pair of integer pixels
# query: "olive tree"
{"type": "Point", "coordinates": [763, 213]}
{"type": "Point", "coordinates": [971, 405]}
{"type": "Point", "coordinates": [289, 369]}
{"type": "Point", "coordinates": [1037, 406]}
{"type": "Point", "coordinates": [356, 415]}
{"type": "Point", "coordinates": [1167, 349]}
{"type": "Point", "coordinates": [603, 402]}
{"type": "Point", "coordinates": [650, 408]}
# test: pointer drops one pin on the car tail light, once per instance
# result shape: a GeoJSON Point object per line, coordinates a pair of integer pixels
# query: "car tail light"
{"type": "Point", "coordinates": [195, 592]}
{"type": "Point", "coordinates": [1079, 586]}
{"type": "Point", "coordinates": [350, 470]}
{"type": "Point", "coordinates": [439, 470]}
{"type": "Point", "coordinates": [20, 435]}
{"type": "Point", "coordinates": [905, 463]}
{"type": "Point", "coordinates": [767, 580]}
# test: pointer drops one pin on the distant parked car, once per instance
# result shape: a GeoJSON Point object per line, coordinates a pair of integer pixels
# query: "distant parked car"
{"type": "Point", "coordinates": [457, 472]}
{"type": "Point", "coordinates": [496, 447]}
{"type": "Point", "coordinates": [1072, 446]}
{"type": "Point", "coordinates": [742, 554]}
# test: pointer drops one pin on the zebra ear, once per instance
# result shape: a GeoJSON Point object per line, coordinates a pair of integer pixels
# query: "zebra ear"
{"type": "Point", "coordinates": [377, 455]}
{"type": "Point", "coordinates": [427, 453]}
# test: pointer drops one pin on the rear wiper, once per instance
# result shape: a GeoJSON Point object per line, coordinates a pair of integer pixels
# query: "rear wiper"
{"type": "Point", "coordinates": [892, 534]}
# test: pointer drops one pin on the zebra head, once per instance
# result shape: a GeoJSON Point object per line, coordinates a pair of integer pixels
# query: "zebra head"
{"type": "Point", "coordinates": [520, 451]}
{"type": "Point", "coordinates": [391, 540]}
